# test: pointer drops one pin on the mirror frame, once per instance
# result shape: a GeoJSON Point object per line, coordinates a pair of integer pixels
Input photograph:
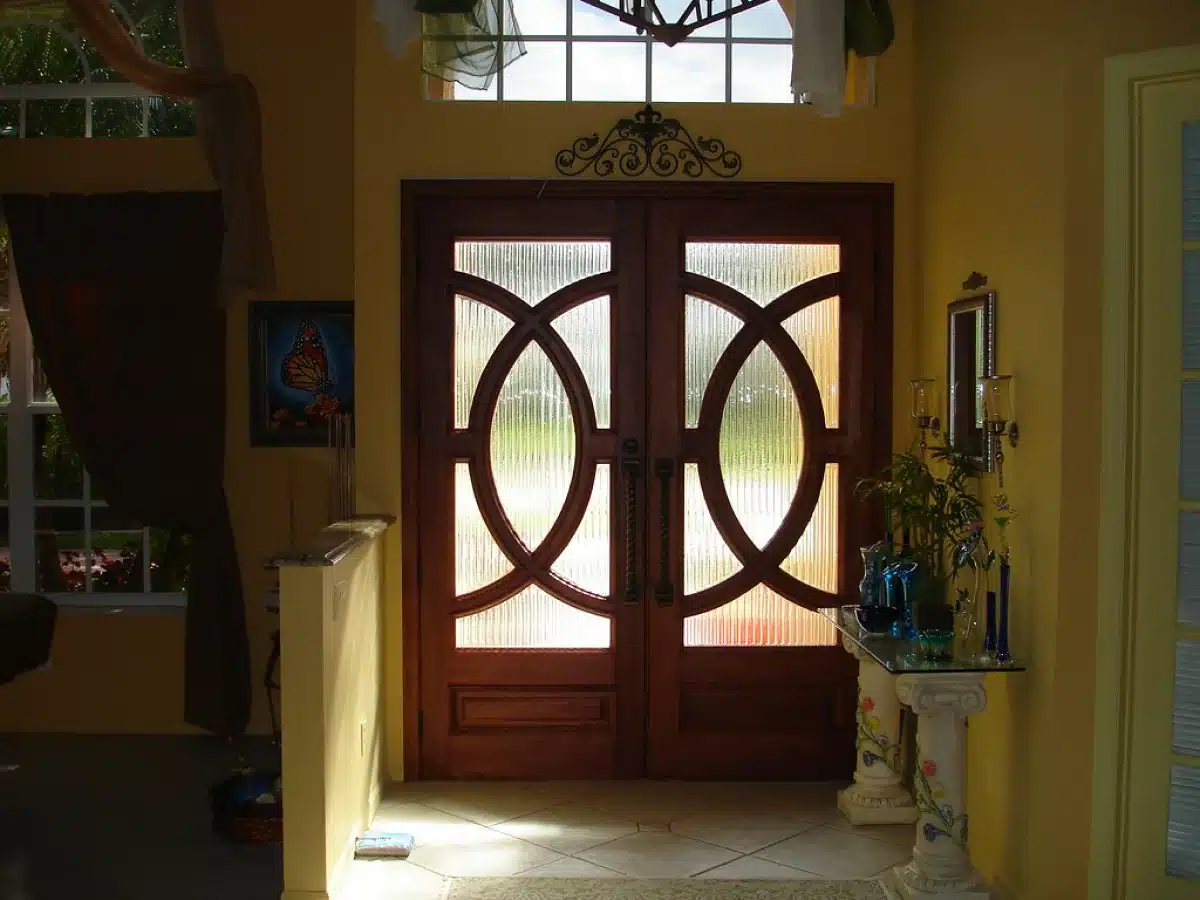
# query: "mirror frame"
{"type": "Point", "coordinates": [978, 298]}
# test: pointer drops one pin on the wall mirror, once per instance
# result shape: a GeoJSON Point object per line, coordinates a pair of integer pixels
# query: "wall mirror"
{"type": "Point", "coordinates": [971, 357]}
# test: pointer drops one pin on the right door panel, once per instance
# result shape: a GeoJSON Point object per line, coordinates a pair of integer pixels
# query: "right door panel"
{"type": "Point", "coordinates": [760, 421]}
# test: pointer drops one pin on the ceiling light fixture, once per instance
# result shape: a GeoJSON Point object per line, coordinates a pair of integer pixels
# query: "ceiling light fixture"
{"type": "Point", "coordinates": [645, 16]}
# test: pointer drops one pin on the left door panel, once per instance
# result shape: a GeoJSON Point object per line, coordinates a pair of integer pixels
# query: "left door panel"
{"type": "Point", "coordinates": [531, 431]}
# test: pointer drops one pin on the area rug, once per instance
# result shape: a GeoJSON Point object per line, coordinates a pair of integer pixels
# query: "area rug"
{"type": "Point", "coordinates": [661, 889]}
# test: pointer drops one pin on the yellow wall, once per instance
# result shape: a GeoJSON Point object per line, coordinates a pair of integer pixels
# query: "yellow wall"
{"type": "Point", "coordinates": [1009, 150]}
{"type": "Point", "coordinates": [332, 714]}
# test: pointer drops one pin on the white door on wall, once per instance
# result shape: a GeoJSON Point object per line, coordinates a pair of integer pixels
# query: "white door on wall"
{"type": "Point", "coordinates": [1162, 822]}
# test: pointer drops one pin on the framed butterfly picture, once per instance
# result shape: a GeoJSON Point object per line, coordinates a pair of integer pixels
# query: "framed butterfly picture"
{"type": "Point", "coordinates": [301, 370]}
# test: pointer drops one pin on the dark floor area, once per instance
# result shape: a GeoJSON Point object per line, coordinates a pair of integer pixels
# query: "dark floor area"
{"type": "Point", "coordinates": [124, 818]}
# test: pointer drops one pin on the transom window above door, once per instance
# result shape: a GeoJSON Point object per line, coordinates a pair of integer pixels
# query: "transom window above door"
{"type": "Point", "coordinates": [574, 52]}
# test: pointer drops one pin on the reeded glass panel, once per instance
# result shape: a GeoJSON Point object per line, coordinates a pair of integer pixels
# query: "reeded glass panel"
{"type": "Point", "coordinates": [761, 444]}
{"type": "Point", "coordinates": [1183, 823]}
{"type": "Point", "coordinates": [478, 559]}
{"type": "Point", "coordinates": [816, 331]}
{"type": "Point", "coordinates": [1189, 442]}
{"type": "Point", "coordinates": [759, 618]}
{"type": "Point", "coordinates": [478, 330]}
{"type": "Point", "coordinates": [586, 331]}
{"type": "Point", "coordinates": [814, 559]}
{"type": "Point", "coordinates": [708, 329]}
{"type": "Point", "coordinates": [533, 270]}
{"type": "Point", "coordinates": [762, 271]}
{"type": "Point", "coordinates": [1187, 698]}
{"type": "Point", "coordinates": [533, 445]}
{"type": "Point", "coordinates": [532, 619]}
{"type": "Point", "coordinates": [1191, 181]}
{"type": "Point", "coordinates": [707, 559]}
{"type": "Point", "coordinates": [1191, 309]}
{"type": "Point", "coordinates": [1189, 568]}
{"type": "Point", "coordinates": [585, 560]}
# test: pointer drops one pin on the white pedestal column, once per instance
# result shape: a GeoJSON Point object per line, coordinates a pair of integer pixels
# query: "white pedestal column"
{"type": "Point", "coordinates": [878, 796]}
{"type": "Point", "coordinates": [941, 866]}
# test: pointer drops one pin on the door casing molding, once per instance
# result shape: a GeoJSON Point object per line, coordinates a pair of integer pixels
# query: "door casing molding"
{"type": "Point", "coordinates": [1126, 78]}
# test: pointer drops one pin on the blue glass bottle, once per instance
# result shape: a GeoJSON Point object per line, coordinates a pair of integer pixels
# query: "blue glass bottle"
{"type": "Point", "coordinates": [870, 589]}
{"type": "Point", "coordinates": [898, 580]}
{"type": "Point", "coordinates": [989, 636]}
{"type": "Point", "coordinates": [1002, 653]}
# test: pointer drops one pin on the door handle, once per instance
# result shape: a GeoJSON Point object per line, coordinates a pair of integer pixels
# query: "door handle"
{"type": "Point", "coordinates": [631, 468]}
{"type": "Point", "coordinates": [664, 591]}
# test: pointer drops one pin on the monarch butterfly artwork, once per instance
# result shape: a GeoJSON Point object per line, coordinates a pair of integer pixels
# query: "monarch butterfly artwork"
{"type": "Point", "coordinates": [306, 368]}
{"type": "Point", "coordinates": [302, 370]}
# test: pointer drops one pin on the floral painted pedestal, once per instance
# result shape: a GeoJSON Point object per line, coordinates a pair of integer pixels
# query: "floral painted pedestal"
{"type": "Point", "coordinates": [878, 796]}
{"type": "Point", "coordinates": [941, 866]}
{"type": "Point", "coordinates": [942, 692]}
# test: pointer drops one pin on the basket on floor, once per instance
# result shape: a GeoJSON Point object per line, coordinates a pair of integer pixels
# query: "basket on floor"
{"type": "Point", "coordinates": [239, 816]}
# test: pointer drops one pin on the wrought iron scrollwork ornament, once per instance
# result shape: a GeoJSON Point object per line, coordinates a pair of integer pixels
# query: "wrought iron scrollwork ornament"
{"type": "Point", "coordinates": [648, 142]}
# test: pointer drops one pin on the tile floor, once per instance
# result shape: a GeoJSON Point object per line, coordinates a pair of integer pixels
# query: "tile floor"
{"type": "Point", "coordinates": [611, 829]}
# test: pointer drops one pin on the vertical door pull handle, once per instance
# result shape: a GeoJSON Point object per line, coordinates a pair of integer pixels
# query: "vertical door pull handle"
{"type": "Point", "coordinates": [631, 467]}
{"type": "Point", "coordinates": [664, 591]}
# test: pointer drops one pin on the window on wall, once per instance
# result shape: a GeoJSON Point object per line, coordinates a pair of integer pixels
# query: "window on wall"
{"type": "Point", "coordinates": [57, 534]}
{"type": "Point", "coordinates": [577, 52]}
{"type": "Point", "coordinates": [54, 83]}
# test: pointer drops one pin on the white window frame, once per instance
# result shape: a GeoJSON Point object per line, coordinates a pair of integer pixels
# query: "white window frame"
{"type": "Point", "coordinates": [22, 505]}
{"type": "Point", "coordinates": [728, 41]}
{"type": "Point", "coordinates": [86, 90]}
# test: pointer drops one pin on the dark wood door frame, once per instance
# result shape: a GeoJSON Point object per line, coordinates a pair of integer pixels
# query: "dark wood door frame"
{"type": "Point", "coordinates": [877, 197]}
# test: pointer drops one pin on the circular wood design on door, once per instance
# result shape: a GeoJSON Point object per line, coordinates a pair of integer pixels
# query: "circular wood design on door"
{"type": "Point", "coordinates": [532, 328]}
{"type": "Point", "coordinates": [762, 325]}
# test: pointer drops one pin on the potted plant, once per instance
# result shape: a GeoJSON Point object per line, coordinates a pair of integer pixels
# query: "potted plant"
{"type": "Point", "coordinates": [935, 515]}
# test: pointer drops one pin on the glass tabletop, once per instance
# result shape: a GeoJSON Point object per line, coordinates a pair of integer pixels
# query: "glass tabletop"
{"type": "Point", "coordinates": [903, 657]}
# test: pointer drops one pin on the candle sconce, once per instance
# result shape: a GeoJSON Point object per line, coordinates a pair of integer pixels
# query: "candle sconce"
{"type": "Point", "coordinates": [998, 419]}
{"type": "Point", "coordinates": [924, 409]}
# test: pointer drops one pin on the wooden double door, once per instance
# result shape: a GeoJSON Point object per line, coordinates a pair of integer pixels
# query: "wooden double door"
{"type": "Point", "coordinates": [641, 417]}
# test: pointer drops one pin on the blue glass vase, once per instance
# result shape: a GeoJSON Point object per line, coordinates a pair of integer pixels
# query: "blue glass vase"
{"type": "Point", "coordinates": [989, 636]}
{"type": "Point", "coordinates": [870, 589]}
{"type": "Point", "coordinates": [1002, 652]}
{"type": "Point", "coordinates": [899, 585]}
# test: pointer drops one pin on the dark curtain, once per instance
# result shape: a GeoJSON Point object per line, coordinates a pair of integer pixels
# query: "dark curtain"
{"type": "Point", "coordinates": [121, 291]}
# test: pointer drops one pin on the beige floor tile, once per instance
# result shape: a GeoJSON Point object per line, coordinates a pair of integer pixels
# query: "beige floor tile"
{"type": "Point", "coordinates": [488, 853]}
{"type": "Point", "coordinates": [569, 827]}
{"type": "Point", "coordinates": [743, 832]}
{"type": "Point", "coordinates": [901, 835]}
{"type": "Point", "coordinates": [656, 855]}
{"type": "Point", "coordinates": [569, 867]}
{"type": "Point", "coordinates": [486, 803]}
{"type": "Point", "coordinates": [390, 879]}
{"type": "Point", "coordinates": [646, 802]}
{"type": "Point", "coordinates": [749, 867]}
{"type": "Point", "coordinates": [428, 826]}
{"type": "Point", "coordinates": [836, 854]}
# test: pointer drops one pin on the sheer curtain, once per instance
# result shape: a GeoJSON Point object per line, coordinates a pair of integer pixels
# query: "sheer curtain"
{"type": "Point", "coordinates": [228, 117]}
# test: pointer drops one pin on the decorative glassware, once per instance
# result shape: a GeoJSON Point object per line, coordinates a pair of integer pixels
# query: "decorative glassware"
{"type": "Point", "coordinates": [936, 643]}
{"type": "Point", "coordinates": [989, 637]}
{"type": "Point", "coordinates": [922, 393]}
{"type": "Point", "coordinates": [972, 553]}
{"type": "Point", "coordinates": [870, 588]}
{"type": "Point", "coordinates": [997, 401]}
{"type": "Point", "coordinates": [1002, 652]}
{"type": "Point", "coordinates": [899, 578]}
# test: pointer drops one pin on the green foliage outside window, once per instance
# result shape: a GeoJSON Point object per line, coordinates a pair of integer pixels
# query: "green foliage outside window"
{"type": "Point", "coordinates": [38, 53]}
